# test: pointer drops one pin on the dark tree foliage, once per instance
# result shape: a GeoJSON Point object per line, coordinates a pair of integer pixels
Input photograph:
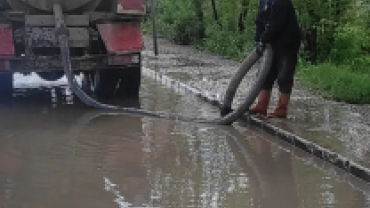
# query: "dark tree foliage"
{"type": "Point", "coordinates": [227, 26]}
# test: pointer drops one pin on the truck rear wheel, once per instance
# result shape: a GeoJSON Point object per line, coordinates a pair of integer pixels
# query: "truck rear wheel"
{"type": "Point", "coordinates": [105, 83]}
{"type": "Point", "coordinates": [87, 84]}
{"type": "Point", "coordinates": [113, 82]}
{"type": "Point", "coordinates": [6, 85]}
{"type": "Point", "coordinates": [130, 81]}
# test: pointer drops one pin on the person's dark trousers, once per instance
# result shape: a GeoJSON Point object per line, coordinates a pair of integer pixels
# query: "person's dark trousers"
{"type": "Point", "coordinates": [283, 69]}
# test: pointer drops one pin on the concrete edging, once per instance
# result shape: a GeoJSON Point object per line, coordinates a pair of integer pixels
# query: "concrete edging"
{"type": "Point", "coordinates": [297, 141]}
{"type": "Point", "coordinates": [313, 149]}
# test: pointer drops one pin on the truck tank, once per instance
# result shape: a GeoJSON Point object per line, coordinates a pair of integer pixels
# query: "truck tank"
{"type": "Point", "coordinates": [3, 5]}
{"type": "Point", "coordinates": [47, 5]}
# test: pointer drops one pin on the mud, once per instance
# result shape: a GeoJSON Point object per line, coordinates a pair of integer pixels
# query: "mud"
{"type": "Point", "coordinates": [55, 152]}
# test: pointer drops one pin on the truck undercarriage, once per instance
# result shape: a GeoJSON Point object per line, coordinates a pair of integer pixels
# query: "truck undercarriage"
{"type": "Point", "coordinates": [104, 46]}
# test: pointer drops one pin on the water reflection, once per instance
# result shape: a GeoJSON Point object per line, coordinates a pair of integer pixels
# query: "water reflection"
{"type": "Point", "coordinates": [272, 171]}
{"type": "Point", "coordinates": [67, 156]}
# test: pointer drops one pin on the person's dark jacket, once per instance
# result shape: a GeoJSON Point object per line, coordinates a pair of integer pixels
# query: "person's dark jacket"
{"type": "Point", "coordinates": [277, 23]}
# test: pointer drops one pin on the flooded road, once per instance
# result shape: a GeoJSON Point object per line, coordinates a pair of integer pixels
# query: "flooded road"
{"type": "Point", "coordinates": [55, 152]}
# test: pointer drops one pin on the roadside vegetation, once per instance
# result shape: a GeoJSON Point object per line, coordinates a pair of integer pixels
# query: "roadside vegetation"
{"type": "Point", "coordinates": [335, 52]}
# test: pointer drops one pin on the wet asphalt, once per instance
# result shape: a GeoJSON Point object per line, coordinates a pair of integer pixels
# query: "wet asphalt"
{"type": "Point", "coordinates": [56, 152]}
{"type": "Point", "coordinates": [338, 127]}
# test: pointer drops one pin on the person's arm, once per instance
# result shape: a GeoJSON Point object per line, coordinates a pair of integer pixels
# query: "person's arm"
{"type": "Point", "coordinates": [259, 24]}
{"type": "Point", "coordinates": [276, 21]}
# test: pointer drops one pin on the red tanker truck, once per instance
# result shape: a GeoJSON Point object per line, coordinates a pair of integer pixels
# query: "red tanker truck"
{"type": "Point", "coordinates": [105, 43]}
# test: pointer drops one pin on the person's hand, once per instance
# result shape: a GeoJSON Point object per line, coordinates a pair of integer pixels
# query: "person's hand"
{"type": "Point", "coordinates": [260, 47]}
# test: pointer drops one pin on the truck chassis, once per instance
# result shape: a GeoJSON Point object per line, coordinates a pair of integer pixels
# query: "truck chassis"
{"type": "Point", "coordinates": [105, 48]}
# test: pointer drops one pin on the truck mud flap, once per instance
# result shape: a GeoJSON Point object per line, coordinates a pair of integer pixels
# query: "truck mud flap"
{"type": "Point", "coordinates": [6, 45]}
{"type": "Point", "coordinates": [121, 38]}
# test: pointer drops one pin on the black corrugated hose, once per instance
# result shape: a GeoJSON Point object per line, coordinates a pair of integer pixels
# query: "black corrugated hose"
{"type": "Point", "coordinates": [62, 35]}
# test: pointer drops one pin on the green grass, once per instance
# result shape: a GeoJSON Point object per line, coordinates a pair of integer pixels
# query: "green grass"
{"type": "Point", "coordinates": [337, 82]}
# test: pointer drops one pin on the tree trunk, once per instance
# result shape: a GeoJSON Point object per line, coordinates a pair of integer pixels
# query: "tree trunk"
{"type": "Point", "coordinates": [310, 43]}
{"type": "Point", "coordinates": [243, 15]}
{"type": "Point", "coordinates": [215, 14]}
{"type": "Point", "coordinates": [200, 16]}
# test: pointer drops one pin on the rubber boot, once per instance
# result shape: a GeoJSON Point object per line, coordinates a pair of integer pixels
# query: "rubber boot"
{"type": "Point", "coordinates": [282, 107]}
{"type": "Point", "coordinates": [262, 103]}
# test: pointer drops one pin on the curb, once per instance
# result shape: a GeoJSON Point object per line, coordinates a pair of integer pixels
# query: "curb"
{"type": "Point", "coordinates": [297, 141]}
{"type": "Point", "coordinates": [312, 148]}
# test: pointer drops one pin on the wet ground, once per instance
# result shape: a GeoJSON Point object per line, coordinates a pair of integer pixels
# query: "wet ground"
{"type": "Point", "coordinates": [55, 152]}
{"type": "Point", "coordinates": [339, 127]}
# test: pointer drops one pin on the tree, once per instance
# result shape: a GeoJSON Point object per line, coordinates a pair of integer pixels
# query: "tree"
{"type": "Point", "coordinates": [215, 14]}
{"type": "Point", "coordinates": [243, 15]}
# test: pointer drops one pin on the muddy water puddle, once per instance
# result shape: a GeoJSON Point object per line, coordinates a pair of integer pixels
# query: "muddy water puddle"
{"type": "Point", "coordinates": [58, 153]}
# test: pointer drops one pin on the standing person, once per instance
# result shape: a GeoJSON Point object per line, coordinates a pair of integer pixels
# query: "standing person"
{"type": "Point", "coordinates": [277, 24]}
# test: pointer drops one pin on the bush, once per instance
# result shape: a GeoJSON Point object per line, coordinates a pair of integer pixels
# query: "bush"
{"type": "Point", "coordinates": [178, 21]}
{"type": "Point", "coordinates": [319, 20]}
{"type": "Point", "coordinates": [227, 43]}
{"type": "Point", "coordinates": [232, 34]}
{"type": "Point", "coordinates": [352, 38]}
{"type": "Point", "coordinates": [336, 37]}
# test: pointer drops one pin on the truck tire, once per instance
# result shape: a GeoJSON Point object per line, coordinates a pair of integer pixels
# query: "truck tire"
{"type": "Point", "coordinates": [87, 83]}
{"type": "Point", "coordinates": [113, 82]}
{"type": "Point", "coordinates": [6, 85]}
{"type": "Point", "coordinates": [105, 83]}
{"type": "Point", "coordinates": [130, 81]}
